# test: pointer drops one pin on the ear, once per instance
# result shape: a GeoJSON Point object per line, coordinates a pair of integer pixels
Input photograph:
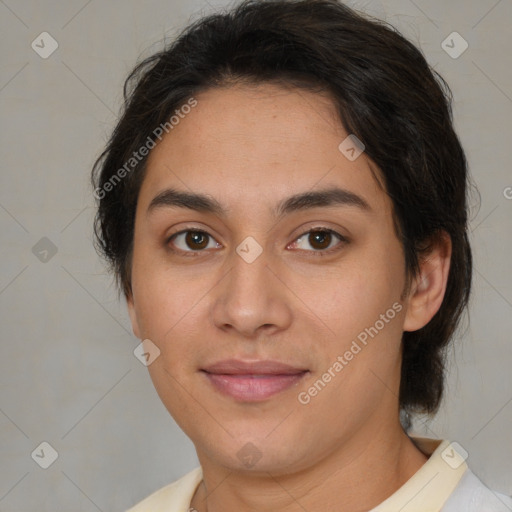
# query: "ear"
{"type": "Point", "coordinates": [133, 316]}
{"type": "Point", "coordinates": [428, 287]}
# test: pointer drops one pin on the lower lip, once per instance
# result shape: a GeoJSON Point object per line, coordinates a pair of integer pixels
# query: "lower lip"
{"type": "Point", "coordinates": [252, 388]}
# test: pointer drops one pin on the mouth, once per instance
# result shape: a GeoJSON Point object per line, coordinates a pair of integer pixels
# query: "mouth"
{"type": "Point", "coordinates": [252, 381]}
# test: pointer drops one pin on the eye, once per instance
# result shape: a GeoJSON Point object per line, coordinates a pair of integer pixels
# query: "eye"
{"type": "Point", "coordinates": [321, 240]}
{"type": "Point", "coordinates": [193, 241]}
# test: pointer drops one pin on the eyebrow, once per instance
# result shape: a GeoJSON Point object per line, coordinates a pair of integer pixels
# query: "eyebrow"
{"type": "Point", "coordinates": [334, 196]}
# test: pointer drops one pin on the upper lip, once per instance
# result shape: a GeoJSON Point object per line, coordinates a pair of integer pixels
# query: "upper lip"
{"type": "Point", "coordinates": [239, 367]}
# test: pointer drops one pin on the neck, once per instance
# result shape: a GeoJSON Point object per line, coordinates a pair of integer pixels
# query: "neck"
{"type": "Point", "coordinates": [357, 475]}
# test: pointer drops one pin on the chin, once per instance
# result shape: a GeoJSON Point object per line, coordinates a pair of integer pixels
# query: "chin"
{"type": "Point", "coordinates": [257, 454]}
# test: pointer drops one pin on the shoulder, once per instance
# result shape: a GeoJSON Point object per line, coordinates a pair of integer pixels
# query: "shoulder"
{"type": "Point", "coordinates": [174, 497]}
{"type": "Point", "coordinates": [471, 495]}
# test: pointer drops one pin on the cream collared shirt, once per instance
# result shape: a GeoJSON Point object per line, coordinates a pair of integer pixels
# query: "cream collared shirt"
{"type": "Point", "coordinates": [443, 484]}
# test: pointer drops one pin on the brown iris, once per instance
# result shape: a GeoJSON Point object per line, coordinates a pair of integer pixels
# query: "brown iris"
{"type": "Point", "coordinates": [196, 239]}
{"type": "Point", "coordinates": [320, 239]}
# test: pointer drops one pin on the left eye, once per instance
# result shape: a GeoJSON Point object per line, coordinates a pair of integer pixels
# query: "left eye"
{"type": "Point", "coordinates": [319, 239]}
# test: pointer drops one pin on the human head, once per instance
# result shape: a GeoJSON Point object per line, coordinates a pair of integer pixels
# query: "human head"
{"type": "Point", "coordinates": [384, 92]}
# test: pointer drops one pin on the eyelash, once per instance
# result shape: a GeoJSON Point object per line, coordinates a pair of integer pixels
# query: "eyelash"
{"type": "Point", "coordinates": [317, 253]}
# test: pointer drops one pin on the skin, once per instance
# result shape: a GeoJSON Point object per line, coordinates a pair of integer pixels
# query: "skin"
{"type": "Point", "coordinates": [250, 147]}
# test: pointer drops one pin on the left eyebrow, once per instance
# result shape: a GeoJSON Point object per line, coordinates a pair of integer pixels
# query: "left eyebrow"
{"type": "Point", "coordinates": [333, 196]}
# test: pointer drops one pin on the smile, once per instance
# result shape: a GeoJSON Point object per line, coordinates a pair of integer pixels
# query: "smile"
{"type": "Point", "coordinates": [252, 381]}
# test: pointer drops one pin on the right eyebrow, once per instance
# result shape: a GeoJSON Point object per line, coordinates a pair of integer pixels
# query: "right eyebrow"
{"type": "Point", "coordinates": [193, 201]}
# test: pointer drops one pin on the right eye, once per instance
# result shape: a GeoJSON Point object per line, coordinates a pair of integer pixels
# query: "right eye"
{"type": "Point", "coordinates": [192, 241]}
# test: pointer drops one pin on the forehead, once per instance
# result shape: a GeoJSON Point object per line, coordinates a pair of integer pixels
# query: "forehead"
{"type": "Point", "coordinates": [246, 144]}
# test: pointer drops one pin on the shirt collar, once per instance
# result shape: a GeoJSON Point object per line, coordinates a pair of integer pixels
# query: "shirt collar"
{"type": "Point", "coordinates": [426, 491]}
{"type": "Point", "coordinates": [431, 486]}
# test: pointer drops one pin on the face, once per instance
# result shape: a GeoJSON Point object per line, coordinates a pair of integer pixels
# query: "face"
{"type": "Point", "coordinates": [278, 321]}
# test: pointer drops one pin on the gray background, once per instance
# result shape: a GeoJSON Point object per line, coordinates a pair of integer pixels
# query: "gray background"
{"type": "Point", "coordinates": [68, 374]}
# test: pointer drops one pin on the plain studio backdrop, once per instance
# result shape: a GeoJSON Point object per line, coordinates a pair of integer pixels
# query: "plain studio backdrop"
{"type": "Point", "coordinates": [68, 374]}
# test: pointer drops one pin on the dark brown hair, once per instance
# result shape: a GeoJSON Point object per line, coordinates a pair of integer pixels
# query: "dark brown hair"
{"type": "Point", "coordinates": [385, 93]}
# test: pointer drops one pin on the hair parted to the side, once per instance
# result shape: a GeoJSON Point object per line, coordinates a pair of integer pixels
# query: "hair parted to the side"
{"type": "Point", "coordinates": [385, 93]}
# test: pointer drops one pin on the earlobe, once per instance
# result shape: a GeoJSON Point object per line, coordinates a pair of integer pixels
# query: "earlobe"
{"type": "Point", "coordinates": [133, 316]}
{"type": "Point", "coordinates": [429, 286]}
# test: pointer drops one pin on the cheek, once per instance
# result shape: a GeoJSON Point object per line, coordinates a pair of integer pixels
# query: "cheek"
{"type": "Point", "coordinates": [170, 311]}
{"type": "Point", "coordinates": [363, 308]}
{"type": "Point", "coordinates": [356, 298]}
{"type": "Point", "coordinates": [155, 297]}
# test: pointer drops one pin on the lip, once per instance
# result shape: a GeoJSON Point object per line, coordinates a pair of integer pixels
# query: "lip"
{"type": "Point", "coordinates": [252, 381]}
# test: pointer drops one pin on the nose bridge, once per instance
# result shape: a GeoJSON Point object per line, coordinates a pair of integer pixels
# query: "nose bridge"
{"type": "Point", "coordinates": [250, 296]}
{"type": "Point", "coordinates": [248, 276]}
{"type": "Point", "coordinates": [249, 284]}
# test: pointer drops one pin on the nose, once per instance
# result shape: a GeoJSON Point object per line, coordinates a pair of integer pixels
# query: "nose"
{"type": "Point", "coordinates": [251, 299]}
